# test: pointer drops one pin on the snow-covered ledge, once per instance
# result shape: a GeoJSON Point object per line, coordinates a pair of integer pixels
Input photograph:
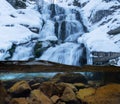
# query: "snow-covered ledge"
{"type": "Point", "coordinates": [101, 48]}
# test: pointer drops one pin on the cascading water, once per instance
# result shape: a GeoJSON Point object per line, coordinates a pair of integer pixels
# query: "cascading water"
{"type": "Point", "coordinates": [66, 29]}
{"type": "Point", "coordinates": [61, 28]}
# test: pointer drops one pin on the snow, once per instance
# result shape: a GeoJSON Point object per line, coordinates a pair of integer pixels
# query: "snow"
{"type": "Point", "coordinates": [98, 40]}
{"type": "Point", "coordinates": [11, 34]}
{"type": "Point", "coordinates": [6, 8]}
{"type": "Point", "coordinates": [16, 34]}
{"type": "Point", "coordinates": [14, 26]}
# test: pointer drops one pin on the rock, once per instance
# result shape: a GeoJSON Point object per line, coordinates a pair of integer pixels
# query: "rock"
{"type": "Point", "coordinates": [20, 89]}
{"type": "Point", "coordinates": [68, 95]}
{"type": "Point", "coordinates": [34, 29]}
{"type": "Point", "coordinates": [55, 98]}
{"type": "Point", "coordinates": [19, 101]}
{"type": "Point", "coordinates": [69, 78]}
{"type": "Point", "coordinates": [114, 31]}
{"type": "Point", "coordinates": [83, 93]}
{"type": "Point", "coordinates": [3, 93]}
{"type": "Point", "coordinates": [40, 97]}
{"type": "Point", "coordinates": [99, 15]}
{"type": "Point", "coordinates": [35, 86]}
{"type": "Point", "coordinates": [18, 3]}
{"type": "Point", "coordinates": [80, 85]}
{"type": "Point", "coordinates": [103, 58]}
{"type": "Point", "coordinates": [67, 85]}
{"type": "Point", "coordinates": [94, 83]}
{"type": "Point", "coordinates": [51, 88]}
{"type": "Point", "coordinates": [39, 49]}
{"type": "Point", "coordinates": [37, 80]}
{"type": "Point", "coordinates": [60, 102]}
{"type": "Point", "coordinates": [108, 94]}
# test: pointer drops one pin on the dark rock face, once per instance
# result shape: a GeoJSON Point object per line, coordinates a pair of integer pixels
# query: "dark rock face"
{"type": "Point", "coordinates": [18, 3]}
{"type": "Point", "coordinates": [11, 51]}
{"type": "Point", "coordinates": [70, 78]}
{"type": "Point", "coordinates": [99, 15]}
{"type": "Point", "coordinates": [111, 0]}
{"type": "Point", "coordinates": [56, 10]}
{"type": "Point", "coordinates": [102, 58]}
{"type": "Point", "coordinates": [114, 31]}
{"type": "Point", "coordinates": [76, 3]}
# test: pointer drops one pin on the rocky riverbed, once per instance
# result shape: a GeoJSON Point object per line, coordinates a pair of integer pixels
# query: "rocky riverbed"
{"type": "Point", "coordinates": [63, 88]}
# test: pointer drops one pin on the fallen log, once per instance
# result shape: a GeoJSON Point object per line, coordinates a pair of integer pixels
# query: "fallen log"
{"type": "Point", "coordinates": [46, 66]}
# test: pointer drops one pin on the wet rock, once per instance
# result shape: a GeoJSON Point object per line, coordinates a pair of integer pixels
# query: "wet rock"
{"type": "Point", "coordinates": [35, 86]}
{"type": "Point", "coordinates": [51, 88]}
{"type": "Point", "coordinates": [68, 95]}
{"type": "Point", "coordinates": [19, 101]}
{"type": "Point", "coordinates": [83, 93]}
{"type": "Point", "coordinates": [3, 94]}
{"type": "Point", "coordinates": [108, 94]}
{"type": "Point", "coordinates": [60, 102]}
{"type": "Point", "coordinates": [80, 85]}
{"type": "Point", "coordinates": [69, 78]}
{"type": "Point", "coordinates": [20, 89]}
{"type": "Point", "coordinates": [39, 49]}
{"type": "Point", "coordinates": [40, 97]}
{"type": "Point", "coordinates": [55, 98]}
{"type": "Point", "coordinates": [37, 80]}
{"type": "Point", "coordinates": [95, 83]}
{"type": "Point", "coordinates": [67, 85]}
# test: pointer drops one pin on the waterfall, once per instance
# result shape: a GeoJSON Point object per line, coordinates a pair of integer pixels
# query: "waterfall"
{"type": "Point", "coordinates": [66, 30]}
{"type": "Point", "coordinates": [66, 53]}
{"type": "Point", "coordinates": [60, 28]}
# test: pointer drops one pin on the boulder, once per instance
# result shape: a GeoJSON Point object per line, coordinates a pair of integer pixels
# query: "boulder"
{"type": "Point", "coordinates": [83, 93]}
{"type": "Point", "coordinates": [20, 89]}
{"type": "Point", "coordinates": [50, 88]}
{"type": "Point", "coordinates": [80, 85]}
{"type": "Point", "coordinates": [67, 85]}
{"type": "Point", "coordinates": [108, 94]}
{"type": "Point", "coordinates": [40, 97]}
{"type": "Point", "coordinates": [55, 98]}
{"type": "Point", "coordinates": [19, 101]}
{"type": "Point", "coordinates": [60, 102]}
{"type": "Point", "coordinates": [68, 95]}
{"type": "Point", "coordinates": [69, 78]}
{"type": "Point", "coordinates": [35, 86]}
